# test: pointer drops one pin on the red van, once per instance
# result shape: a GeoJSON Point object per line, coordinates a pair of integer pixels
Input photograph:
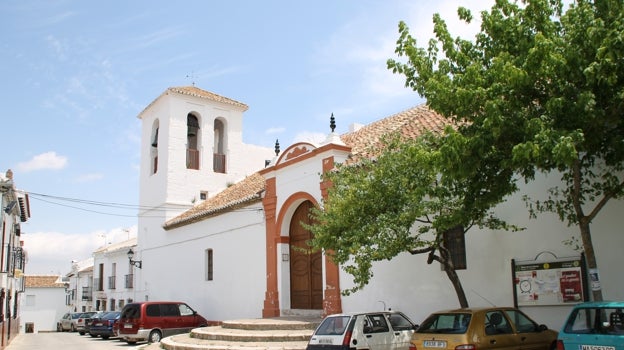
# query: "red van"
{"type": "Point", "coordinates": [152, 320]}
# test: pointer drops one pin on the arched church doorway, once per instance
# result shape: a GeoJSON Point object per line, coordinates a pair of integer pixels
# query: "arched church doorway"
{"type": "Point", "coordinates": [306, 270]}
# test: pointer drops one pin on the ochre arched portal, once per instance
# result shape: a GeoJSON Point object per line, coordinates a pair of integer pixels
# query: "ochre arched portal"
{"type": "Point", "coordinates": [306, 269]}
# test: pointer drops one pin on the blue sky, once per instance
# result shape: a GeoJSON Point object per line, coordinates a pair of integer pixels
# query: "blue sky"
{"type": "Point", "coordinates": [75, 74]}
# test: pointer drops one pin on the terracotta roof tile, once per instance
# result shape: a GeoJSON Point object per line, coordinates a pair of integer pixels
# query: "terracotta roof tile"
{"type": "Point", "coordinates": [42, 281]}
{"type": "Point", "coordinates": [239, 194]}
{"type": "Point", "coordinates": [410, 123]}
{"type": "Point", "coordinates": [363, 142]}
{"type": "Point", "coordinates": [197, 92]}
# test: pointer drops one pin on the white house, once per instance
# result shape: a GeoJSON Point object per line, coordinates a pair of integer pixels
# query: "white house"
{"type": "Point", "coordinates": [43, 304]}
{"type": "Point", "coordinates": [113, 276]}
{"type": "Point", "coordinates": [218, 232]}
{"type": "Point", "coordinates": [14, 210]}
{"type": "Point", "coordinates": [80, 290]}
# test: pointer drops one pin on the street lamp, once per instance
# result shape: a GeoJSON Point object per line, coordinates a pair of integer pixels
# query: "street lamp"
{"type": "Point", "coordinates": [137, 263]}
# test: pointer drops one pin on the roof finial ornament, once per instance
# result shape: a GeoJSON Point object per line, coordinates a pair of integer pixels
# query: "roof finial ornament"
{"type": "Point", "coordinates": [277, 147]}
{"type": "Point", "coordinates": [332, 122]}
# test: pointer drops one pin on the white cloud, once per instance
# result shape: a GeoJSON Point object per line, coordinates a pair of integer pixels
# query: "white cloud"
{"type": "Point", "coordinates": [311, 137]}
{"type": "Point", "coordinates": [53, 252]}
{"type": "Point", "coordinates": [48, 160]}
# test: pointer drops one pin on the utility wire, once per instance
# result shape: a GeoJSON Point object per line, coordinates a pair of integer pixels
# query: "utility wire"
{"type": "Point", "coordinates": [57, 200]}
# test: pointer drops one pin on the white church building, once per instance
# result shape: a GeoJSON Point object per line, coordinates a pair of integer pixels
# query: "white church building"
{"type": "Point", "coordinates": [219, 219]}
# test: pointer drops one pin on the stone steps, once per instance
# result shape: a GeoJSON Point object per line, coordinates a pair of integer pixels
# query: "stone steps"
{"type": "Point", "coordinates": [290, 333]}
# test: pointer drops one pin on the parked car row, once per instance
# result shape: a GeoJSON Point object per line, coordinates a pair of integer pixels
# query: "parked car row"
{"type": "Point", "coordinates": [142, 321]}
{"type": "Point", "coordinates": [590, 326]}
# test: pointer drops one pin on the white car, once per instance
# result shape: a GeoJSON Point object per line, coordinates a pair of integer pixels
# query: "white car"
{"type": "Point", "coordinates": [385, 330]}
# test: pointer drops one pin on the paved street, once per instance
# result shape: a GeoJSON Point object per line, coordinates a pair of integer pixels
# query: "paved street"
{"type": "Point", "coordinates": [67, 341]}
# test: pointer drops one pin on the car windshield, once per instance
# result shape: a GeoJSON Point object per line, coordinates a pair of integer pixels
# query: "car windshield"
{"type": "Point", "coordinates": [334, 325]}
{"type": "Point", "coordinates": [111, 316]}
{"type": "Point", "coordinates": [596, 320]}
{"type": "Point", "coordinates": [452, 323]}
{"type": "Point", "coordinates": [76, 316]}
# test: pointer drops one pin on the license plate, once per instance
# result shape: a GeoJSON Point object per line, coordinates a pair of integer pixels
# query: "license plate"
{"type": "Point", "coordinates": [434, 343]}
{"type": "Point", "coordinates": [98, 324]}
{"type": "Point", "coordinates": [597, 347]}
{"type": "Point", "coordinates": [325, 341]}
{"type": "Point", "coordinates": [128, 325]}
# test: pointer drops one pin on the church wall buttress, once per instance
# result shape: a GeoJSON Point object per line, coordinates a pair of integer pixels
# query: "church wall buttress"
{"type": "Point", "coordinates": [271, 298]}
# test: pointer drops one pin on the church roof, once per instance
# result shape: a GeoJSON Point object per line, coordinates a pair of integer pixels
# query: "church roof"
{"type": "Point", "coordinates": [240, 194]}
{"type": "Point", "coordinates": [364, 142]}
{"type": "Point", "coordinates": [410, 123]}
{"type": "Point", "coordinates": [197, 92]}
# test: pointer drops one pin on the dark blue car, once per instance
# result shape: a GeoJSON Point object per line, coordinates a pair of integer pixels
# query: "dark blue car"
{"type": "Point", "coordinates": [104, 326]}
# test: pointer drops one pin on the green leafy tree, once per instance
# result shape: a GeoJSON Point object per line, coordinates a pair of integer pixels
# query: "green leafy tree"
{"type": "Point", "coordinates": [395, 203]}
{"type": "Point", "coordinates": [540, 89]}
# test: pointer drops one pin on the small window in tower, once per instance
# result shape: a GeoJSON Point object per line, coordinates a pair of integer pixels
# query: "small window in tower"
{"type": "Point", "coordinates": [203, 195]}
{"type": "Point", "coordinates": [154, 148]}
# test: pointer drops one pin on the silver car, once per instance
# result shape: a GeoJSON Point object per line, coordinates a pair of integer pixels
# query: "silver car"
{"type": "Point", "coordinates": [68, 322]}
{"type": "Point", "coordinates": [384, 330]}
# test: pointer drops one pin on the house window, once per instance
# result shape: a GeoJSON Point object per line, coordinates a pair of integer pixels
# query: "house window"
{"type": "Point", "coordinates": [454, 241]}
{"type": "Point", "coordinates": [192, 142]}
{"type": "Point", "coordinates": [203, 195]}
{"type": "Point", "coordinates": [209, 265]}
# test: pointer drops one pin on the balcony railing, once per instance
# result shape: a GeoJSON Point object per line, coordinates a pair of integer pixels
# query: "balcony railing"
{"type": "Point", "coordinates": [218, 163]}
{"type": "Point", "coordinates": [129, 278]}
{"type": "Point", "coordinates": [192, 159]}
{"type": "Point", "coordinates": [111, 282]}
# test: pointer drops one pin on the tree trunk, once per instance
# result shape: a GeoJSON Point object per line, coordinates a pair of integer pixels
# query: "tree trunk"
{"type": "Point", "coordinates": [588, 247]}
{"type": "Point", "coordinates": [459, 290]}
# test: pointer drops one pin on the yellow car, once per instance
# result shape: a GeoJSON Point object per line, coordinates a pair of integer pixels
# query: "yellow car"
{"type": "Point", "coordinates": [482, 328]}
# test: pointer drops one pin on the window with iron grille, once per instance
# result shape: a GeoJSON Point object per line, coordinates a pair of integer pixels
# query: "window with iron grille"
{"type": "Point", "coordinates": [454, 241]}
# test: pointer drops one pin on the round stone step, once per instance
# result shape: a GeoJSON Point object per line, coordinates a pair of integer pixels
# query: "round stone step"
{"type": "Point", "coordinates": [272, 324]}
{"type": "Point", "coordinates": [251, 335]}
{"type": "Point", "coordinates": [184, 342]}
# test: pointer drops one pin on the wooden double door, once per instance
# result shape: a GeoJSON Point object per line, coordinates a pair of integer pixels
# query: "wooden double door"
{"type": "Point", "coordinates": [306, 268]}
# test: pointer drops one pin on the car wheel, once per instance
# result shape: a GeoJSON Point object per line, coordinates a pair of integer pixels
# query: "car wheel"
{"type": "Point", "coordinates": [131, 342]}
{"type": "Point", "coordinates": [72, 328]}
{"type": "Point", "coordinates": [59, 328]}
{"type": "Point", "coordinates": [154, 337]}
{"type": "Point", "coordinates": [105, 337]}
{"type": "Point", "coordinates": [81, 333]}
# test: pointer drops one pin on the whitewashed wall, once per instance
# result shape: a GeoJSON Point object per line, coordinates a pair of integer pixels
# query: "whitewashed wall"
{"type": "Point", "coordinates": [175, 269]}
{"type": "Point", "coordinates": [408, 284]}
{"type": "Point", "coordinates": [43, 307]}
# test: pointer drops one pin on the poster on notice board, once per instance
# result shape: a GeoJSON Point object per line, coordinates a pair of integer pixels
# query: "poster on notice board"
{"type": "Point", "coordinates": [548, 283]}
